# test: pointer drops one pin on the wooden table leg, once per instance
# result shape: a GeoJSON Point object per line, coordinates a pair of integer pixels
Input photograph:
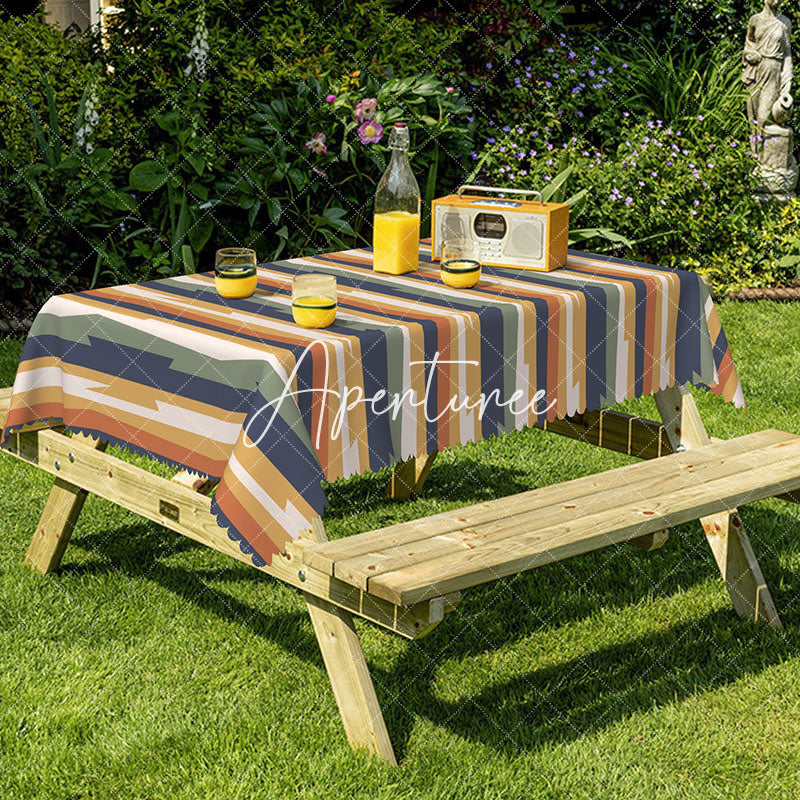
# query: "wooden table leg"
{"type": "Point", "coordinates": [61, 512]}
{"type": "Point", "coordinates": [725, 533]}
{"type": "Point", "coordinates": [348, 672]}
{"type": "Point", "coordinates": [409, 476]}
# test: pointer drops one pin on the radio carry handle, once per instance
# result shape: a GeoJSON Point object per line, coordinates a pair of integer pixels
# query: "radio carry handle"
{"type": "Point", "coordinates": [499, 189]}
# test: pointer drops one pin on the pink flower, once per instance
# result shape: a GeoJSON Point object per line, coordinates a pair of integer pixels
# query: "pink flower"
{"type": "Point", "coordinates": [317, 144]}
{"type": "Point", "coordinates": [331, 98]}
{"type": "Point", "coordinates": [451, 89]}
{"type": "Point", "coordinates": [370, 132]}
{"type": "Point", "coordinates": [366, 109]}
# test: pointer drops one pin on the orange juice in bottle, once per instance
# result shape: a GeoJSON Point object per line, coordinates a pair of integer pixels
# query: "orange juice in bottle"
{"type": "Point", "coordinates": [395, 236]}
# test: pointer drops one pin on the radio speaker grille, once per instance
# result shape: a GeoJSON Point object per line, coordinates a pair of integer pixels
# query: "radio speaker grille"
{"type": "Point", "coordinates": [455, 226]}
{"type": "Point", "coordinates": [526, 239]}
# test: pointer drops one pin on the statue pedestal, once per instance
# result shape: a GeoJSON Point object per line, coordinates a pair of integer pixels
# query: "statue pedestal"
{"type": "Point", "coordinates": [776, 174]}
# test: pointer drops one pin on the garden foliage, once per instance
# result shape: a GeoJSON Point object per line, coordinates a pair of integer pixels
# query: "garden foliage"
{"type": "Point", "coordinates": [194, 126]}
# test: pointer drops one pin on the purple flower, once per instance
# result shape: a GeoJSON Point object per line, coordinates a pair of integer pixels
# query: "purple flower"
{"type": "Point", "coordinates": [370, 132]}
{"type": "Point", "coordinates": [366, 109]}
{"type": "Point", "coordinates": [317, 144]}
{"type": "Point", "coordinates": [506, 128]}
{"type": "Point", "coordinates": [490, 140]}
{"type": "Point", "coordinates": [331, 98]}
{"type": "Point", "coordinates": [624, 66]}
{"type": "Point", "coordinates": [700, 117]}
{"type": "Point", "coordinates": [533, 154]}
{"type": "Point", "coordinates": [502, 148]}
{"type": "Point", "coordinates": [579, 113]}
{"type": "Point", "coordinates": [628, 201]}
{"type": "Point", "coordinates": [470, 119]}
{"type": "Point", "coordinates": [474, 155]}
{"type": "Point", "coordinates": [549, 162]}
{"type": "Point", "coordinates": [450, 89]}
{"type": "Point", "coordinates": [488, 65]}
{"type": "Point", "coordinates": [654, 173]}
{"type": "Point", "coordinates": [523, 172]}
{"type": "Point", "coordinates": [519, 130]}
{"type": "Point", "coordinates": [547, 84]}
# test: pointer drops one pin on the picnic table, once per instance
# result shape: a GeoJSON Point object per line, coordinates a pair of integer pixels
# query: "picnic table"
{"type": "Point", "coordinates": [256, 414]}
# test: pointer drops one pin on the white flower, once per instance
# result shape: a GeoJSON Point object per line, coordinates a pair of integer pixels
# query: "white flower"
{"type": "Point", "coordinates": [198, 51]}
{"type": "Point", "coordinates": [90, 117]}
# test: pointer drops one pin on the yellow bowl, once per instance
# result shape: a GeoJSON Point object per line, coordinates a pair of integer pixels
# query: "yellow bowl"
{"type": "Point", "coordinates": [235, 282]}
{"type": "Point", "coordinates": [460, 274]}
{"type": "Point", "coordinates": [314, 312]}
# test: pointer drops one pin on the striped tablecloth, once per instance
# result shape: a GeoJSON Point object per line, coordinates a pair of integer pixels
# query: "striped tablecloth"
{"type": "Point", "coordinates": [170, 369]}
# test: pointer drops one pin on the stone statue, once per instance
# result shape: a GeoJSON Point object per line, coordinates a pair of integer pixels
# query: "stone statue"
{"type": "Point", "coordinates": [767, 75]}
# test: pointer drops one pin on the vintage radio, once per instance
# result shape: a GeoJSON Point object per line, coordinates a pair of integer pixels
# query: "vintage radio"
{"type": "Point", "coordinates": [527, 234]}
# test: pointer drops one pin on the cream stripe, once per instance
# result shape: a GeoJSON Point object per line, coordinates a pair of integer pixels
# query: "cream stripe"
{"type": "Point", "coordinates": [177, 417]}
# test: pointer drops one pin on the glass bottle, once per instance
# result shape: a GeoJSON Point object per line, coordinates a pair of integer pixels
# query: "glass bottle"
{"type": "Point", "coordinates": [395, 235]}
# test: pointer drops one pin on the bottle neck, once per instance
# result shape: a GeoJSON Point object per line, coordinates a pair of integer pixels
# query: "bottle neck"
{"type": "Point", "coordinates": [399, 140]}
{"type": "Point", "coordinates": [399, 156]}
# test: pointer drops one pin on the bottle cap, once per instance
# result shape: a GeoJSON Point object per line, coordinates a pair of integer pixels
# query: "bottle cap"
{"type": "Point", "coordinates": [400, 124]}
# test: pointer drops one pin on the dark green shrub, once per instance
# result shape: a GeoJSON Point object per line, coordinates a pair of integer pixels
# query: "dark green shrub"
{"type": "Point", "coordinates": [678, 200]}
{"type": "Point", "coordinates": [29, 45]}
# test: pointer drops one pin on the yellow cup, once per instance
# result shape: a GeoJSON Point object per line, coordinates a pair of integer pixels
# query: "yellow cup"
{"type": "Point", "coordinates": [235, 282]}
{"type": "Point", "coordinates": [461, 273]}
{"type": "Point", "coordinates": [314, 300]}
{"type": "Point", "coordinates": [314, 312]}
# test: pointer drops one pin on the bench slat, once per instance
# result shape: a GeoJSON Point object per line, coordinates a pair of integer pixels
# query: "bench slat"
{"type": "Point", "coordinates": [615, 491]}
{"type": "Point", "coordinates": [405, 534]}
{"type": "Point", "coordinates": [521, 548]}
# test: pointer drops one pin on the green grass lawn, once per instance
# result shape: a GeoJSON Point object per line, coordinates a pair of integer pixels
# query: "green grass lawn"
{"type": "Point", "coordinates": [151, 667]}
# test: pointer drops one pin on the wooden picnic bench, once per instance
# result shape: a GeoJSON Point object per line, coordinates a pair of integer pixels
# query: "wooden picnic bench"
{"type": "Point", "coordinates": [406, 577]}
